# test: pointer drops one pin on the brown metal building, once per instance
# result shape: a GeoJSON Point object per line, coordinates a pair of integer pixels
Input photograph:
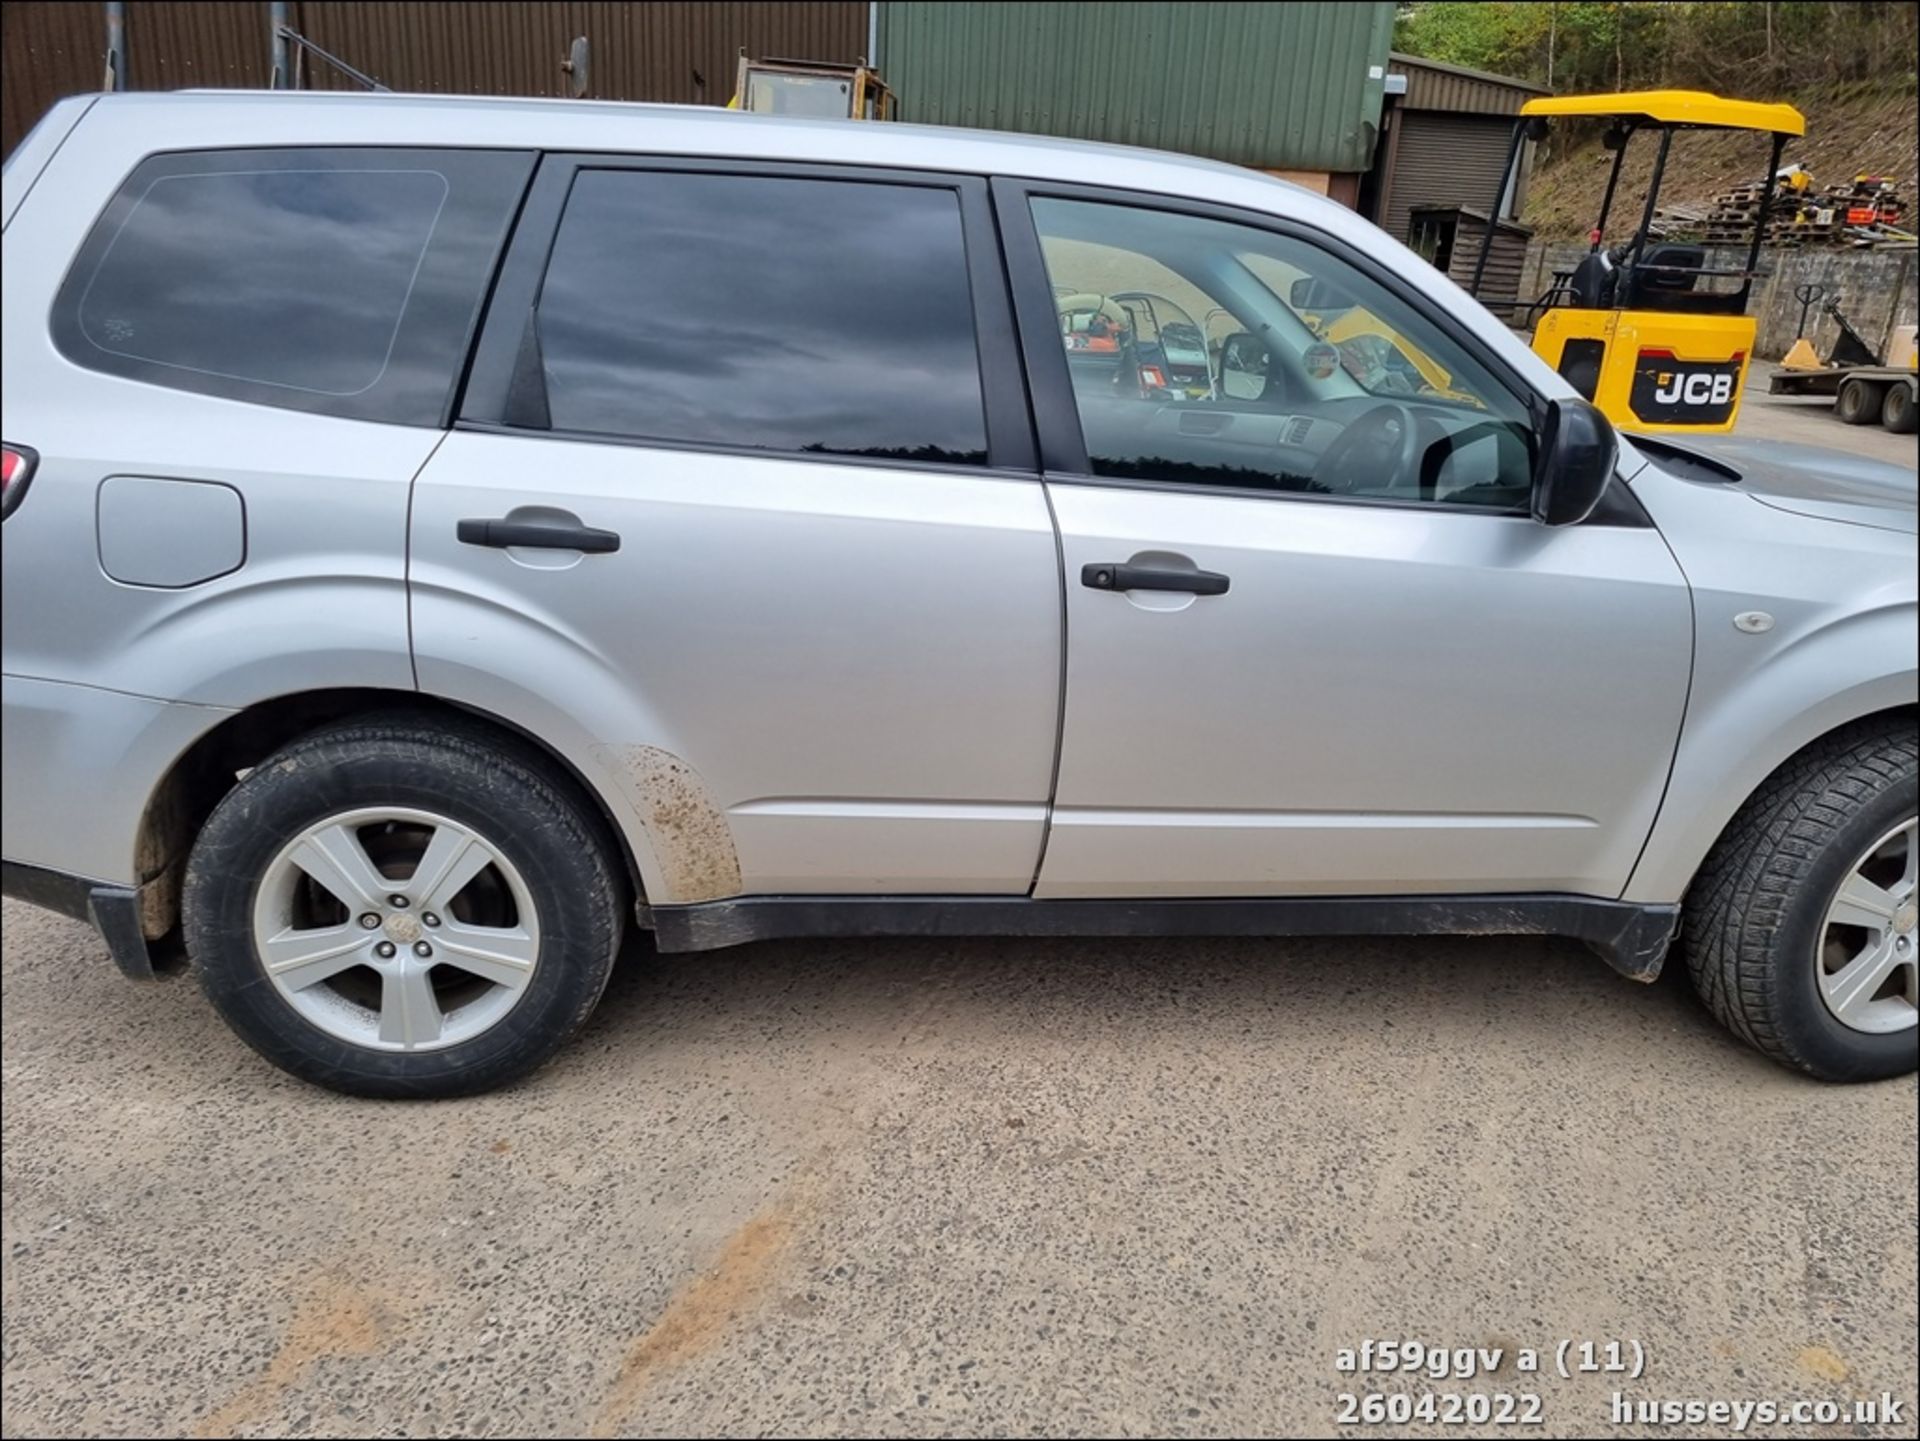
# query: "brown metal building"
{"type": "Point", "coordinates": [1443, 142]}
{"type": "Point", "coordinates": [684, 53]}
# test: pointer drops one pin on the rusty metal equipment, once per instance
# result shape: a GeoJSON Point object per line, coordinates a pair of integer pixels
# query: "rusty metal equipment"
{"type": "Point", "coordinates": [812, 87]}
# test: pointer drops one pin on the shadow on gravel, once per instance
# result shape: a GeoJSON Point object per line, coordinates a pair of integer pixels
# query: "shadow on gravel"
{"type": "Point", "coordinates": [1466, 992]}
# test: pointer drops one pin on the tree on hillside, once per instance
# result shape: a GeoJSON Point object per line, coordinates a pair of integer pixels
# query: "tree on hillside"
{"type": "Point", "coordinates": [1757, 49]}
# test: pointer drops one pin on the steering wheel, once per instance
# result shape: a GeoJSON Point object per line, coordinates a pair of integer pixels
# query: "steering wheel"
{"type": "Point", "coordinates": [1382, 446]}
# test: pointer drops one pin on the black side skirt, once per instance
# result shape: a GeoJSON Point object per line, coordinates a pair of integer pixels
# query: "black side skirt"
{"type": "Point", "coordinates": [1633, 939]}
{"type": "Point", "coordinates": [114, 911]}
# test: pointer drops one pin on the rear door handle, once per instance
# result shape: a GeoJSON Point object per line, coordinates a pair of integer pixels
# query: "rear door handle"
{"type": "Point", "coordinates": [537, 535]}
{"type": "Point", "coordinates": [1106, 575]}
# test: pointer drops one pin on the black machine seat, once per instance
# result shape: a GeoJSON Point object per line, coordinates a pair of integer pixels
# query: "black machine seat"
{"type": "Point", "coordinates": [1593, 283]}
{"type": "Point", "coordinates": [1672, 268]}
{"type": "Point", "coordinates": [1664, 279]}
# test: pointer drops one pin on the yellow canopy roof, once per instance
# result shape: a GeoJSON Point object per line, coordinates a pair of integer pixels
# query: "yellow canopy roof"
{"type": "Point", "coordinates": [1676, 107]}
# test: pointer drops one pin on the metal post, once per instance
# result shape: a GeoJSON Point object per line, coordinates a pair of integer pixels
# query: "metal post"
{"type": "Point", "coordinates": [280, 77]}
{"type": "Point", "coordinates": [1493, 211]}
{"type": "Point", "coordinates": [116, 73]}
{"type": "Point", "coordinates": [1760, 222]}
{"type": "Point", "coordinates": [1653, 192]}
{"type": "Point", "coordinates": [1606, 201]}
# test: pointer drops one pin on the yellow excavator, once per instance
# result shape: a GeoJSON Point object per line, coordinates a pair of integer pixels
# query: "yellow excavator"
{"type": "Point", "coordinates": [1645, 328]}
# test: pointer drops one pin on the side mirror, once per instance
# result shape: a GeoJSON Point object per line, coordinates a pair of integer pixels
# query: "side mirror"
{"type": "Point", "coordinates": [1244, 351]}
{"type": "Point", "coordinates": [1244, 363]}
{"type": "Point", "coordinates": [1578, 455]}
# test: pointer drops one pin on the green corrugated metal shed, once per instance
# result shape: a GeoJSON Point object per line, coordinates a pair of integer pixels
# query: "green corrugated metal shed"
{"type": "Point", "coordinates": [1294, 86]}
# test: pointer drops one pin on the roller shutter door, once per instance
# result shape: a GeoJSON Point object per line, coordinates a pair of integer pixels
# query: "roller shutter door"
{"type": "Point", "coordinates": [1445, 160]}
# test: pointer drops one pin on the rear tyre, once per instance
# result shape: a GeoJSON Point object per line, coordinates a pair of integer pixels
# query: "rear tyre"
{"type": "Point", "coordinates": [1858, 402]}
{"type": "Point", "coordinates": [1800, 928]}
{"type": "Point", "coordinates": [1897, 412]}
{"type": "Point", "coordinates": [399, 908]}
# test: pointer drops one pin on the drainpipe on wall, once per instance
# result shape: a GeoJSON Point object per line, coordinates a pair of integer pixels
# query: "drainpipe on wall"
{"type": "Point", "coordinates": [116, 73]}
{"type": "Point", "coordinates": [279, 21]}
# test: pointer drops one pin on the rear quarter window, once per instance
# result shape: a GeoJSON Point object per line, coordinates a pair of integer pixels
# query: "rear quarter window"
{"type": "Point", "coordinates": [343, 281]}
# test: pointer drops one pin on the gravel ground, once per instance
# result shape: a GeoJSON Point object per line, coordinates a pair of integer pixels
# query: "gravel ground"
{"type": "Point", "coordinates": [999, 1187]}
{"type": "Point", "coordinates": [1809, 420]}
{"type": "Point", "coordinates": [944, 1189]}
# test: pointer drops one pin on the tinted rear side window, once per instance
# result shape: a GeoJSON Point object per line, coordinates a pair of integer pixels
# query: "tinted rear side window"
{"type": "Point", "coordinates": [340, 281]}
{"type": "Point", "coordinates": [820, 316]}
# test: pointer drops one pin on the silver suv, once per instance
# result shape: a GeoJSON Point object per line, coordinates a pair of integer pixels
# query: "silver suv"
{"type": "Point", "coordinates": [444, 533]}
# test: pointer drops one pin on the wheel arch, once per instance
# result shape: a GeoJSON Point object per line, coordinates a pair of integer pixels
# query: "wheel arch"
{"type": "Point", "coordinates": [1696, 814]}
{"type": "Point", "coordinates": [202, 774]}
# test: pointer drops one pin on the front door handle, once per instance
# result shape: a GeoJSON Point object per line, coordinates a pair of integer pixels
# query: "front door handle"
{"type": "Point", "coordinates": [537, 535]}
{"type": "Point", "coordinates": [1106, 575]}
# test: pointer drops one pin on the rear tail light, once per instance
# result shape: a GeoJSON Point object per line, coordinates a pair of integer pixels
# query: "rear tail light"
{"type": "Point", "coordinates": [15, 471]}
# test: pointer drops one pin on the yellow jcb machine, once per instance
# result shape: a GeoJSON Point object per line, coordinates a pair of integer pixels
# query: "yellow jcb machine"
{"type": "Point", "coordinates": [1645, 328]}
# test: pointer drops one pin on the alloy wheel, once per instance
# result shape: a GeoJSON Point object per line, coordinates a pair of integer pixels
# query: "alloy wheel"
{"type": "Point", "coordinates": [396, 929]}
{"type": "Point", "coordinates": [1868, 953]}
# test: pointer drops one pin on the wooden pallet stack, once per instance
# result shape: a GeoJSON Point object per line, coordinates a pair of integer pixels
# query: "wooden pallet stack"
{"type": "Point", "coordinates": [1864, 212]}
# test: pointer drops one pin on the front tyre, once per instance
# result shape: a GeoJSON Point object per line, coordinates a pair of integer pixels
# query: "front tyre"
{"type": "Point", "coordinates": [393, 908]}
{"type": "Point", "coordinates": [1800, 928]}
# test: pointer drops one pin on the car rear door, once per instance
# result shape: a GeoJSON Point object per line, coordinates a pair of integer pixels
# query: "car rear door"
{"type": "Point", "coordinates": [741, 514]}
{"type": "Point", "coordinates": [1298, 666]}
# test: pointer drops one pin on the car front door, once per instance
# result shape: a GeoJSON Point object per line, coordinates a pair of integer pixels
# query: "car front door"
{"type": "Point", "coordinates": [741, 515]}
{"type": "Point", "coordinates": [1316, 643]}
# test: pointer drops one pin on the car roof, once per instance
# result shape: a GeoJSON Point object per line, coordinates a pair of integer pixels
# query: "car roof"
{"type": "Point", "coordinates": [400, 118]}
{"type": "Point", "coordinates": [231, 119]}
{"type": "Point", "coordinates": [118, 130]}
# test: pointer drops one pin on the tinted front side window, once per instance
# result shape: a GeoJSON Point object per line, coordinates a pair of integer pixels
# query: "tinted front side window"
{"type": "Point", "coordinates": [1206, 352]}
{"type": "Point", "coordinates": [787, 314]}
{"type": "Point", "coordinates": [344, 281]}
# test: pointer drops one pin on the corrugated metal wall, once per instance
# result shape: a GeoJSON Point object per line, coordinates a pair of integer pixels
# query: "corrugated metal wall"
{"type": "Point", "coordinates": [172, 46]}
{"type": "Point", "coordinates": [683, 53]}
{"type": "Point", "coordinates": [1295, 86]}
{"type": "Point", "coordinates": [1433, 86]}
{"type": "Point", "coordinates": [1444, 160]}
{"type": "Point", "coordinates": [680, 53]}
{"type": "Point", "coordinates": [46, 51]}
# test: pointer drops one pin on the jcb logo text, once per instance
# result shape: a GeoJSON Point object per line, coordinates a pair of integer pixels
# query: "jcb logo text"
{"type": "Point", "coordinates": [1697, 389]}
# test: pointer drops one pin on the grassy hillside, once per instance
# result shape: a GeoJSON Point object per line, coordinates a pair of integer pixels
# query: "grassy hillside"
{"type": "Point", "coordinates": [1847, 64]}
{"type": "Point", "coordinates": [1849, 130]}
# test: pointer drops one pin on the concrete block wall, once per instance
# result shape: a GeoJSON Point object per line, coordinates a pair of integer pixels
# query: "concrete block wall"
{"type": "Point", "coordinates": [1876, 289]}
